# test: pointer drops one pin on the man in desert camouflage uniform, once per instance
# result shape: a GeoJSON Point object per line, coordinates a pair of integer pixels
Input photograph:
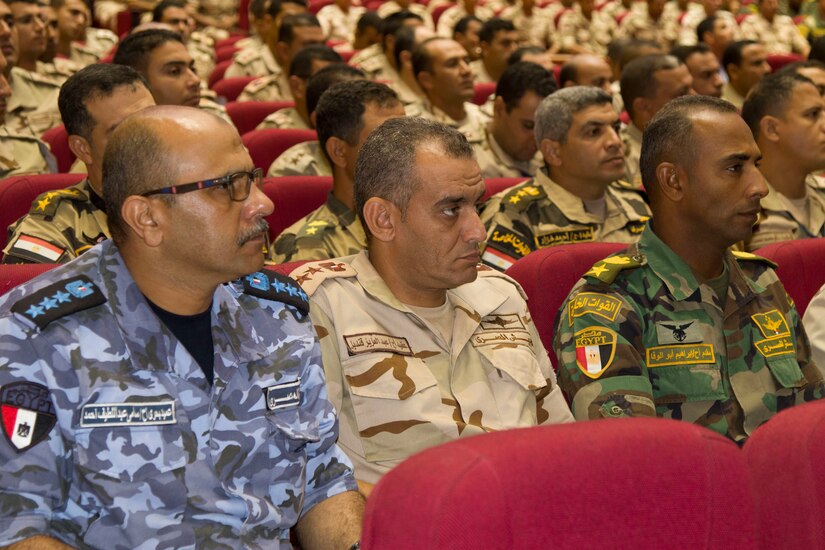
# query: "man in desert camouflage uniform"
{"type": "Point", "coordinates": [199, 46]}
{"type": "Point", "coordinates": [786, 115]}
{"type": "Point", "coordinates": [181, 422]}
{"type": "Point", "coordinates": [420, 345]}
{"type": "Point", "coordinates": [776, 31]}
{"type": "Point", "coordinates": [65, 223]}
{"type": "Point", "coordinates": [585, 29]}
{"type": "Point", "coordinates": [677, 326]}
{"type": "Point", "coordinates": [347, 114]}
{"type": "Point", "coordinates": [506, 146]}
{"type": "Point", "coordinates": [571, 199]}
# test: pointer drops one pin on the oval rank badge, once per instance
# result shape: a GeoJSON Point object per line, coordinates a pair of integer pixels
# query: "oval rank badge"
{"type": "Point", "coordinates": [27, 412]}
{"type": "Point", "coordinates": [595, 349]}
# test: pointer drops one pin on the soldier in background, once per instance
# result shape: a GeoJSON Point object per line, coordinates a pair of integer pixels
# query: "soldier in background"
{"type": "Point", "coordinates": [677, 326]}
{"type": "Point", "coordinates": [48, 63]}
{"type": "Point", "coordinates": [704, 68]}
{"type": "Point", "coordinates": [347, 114]}
{"type": "Point", "coordinates": [746, 63]}
{"type": "Point", "coordinates": [498, 39]}
{"type": "Point", "coordinates": [571, 199]}
{"type": "Point", "coordinates": [65, 223]}
{"type": "Point", "coordinates": [459, 339]}
{"type": "Point", "coordinates": [199, 45]}
{"type": "Point", "coordinates": [148, 410]}
{"type": "Point", "coordinates": [586, 69]}
{"type": "Point", "coordinates": [506, 146]}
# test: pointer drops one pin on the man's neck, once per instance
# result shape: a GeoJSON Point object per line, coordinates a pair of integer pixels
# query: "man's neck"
{"type": "Point", "coordinates": [407, 77]}
{"type": "Point", "coordinates": [455, 111]}
{"type": "Point", "coordinates": [737, 88]}
{"type": "Point", "coordinates": [342, 188]}
{"type": "Point", "coordinates": [162, 285]}
{"type": "Point", "coordinates": [586, 190]}
{"type": "Point", "coordinates": [494, 74]}
{"type": "Point", "coordinates": [27, 63]}
{"type": "Point", "coordinates": [64, 47]}
{"type": "Point", "coordinates": [392, 273]}
{"type": "Point", "coordinates": [301, 109]}
{"type": "Point", "coordinates": [784, 175]}
{"type": "Point", "coordinates": [705, 258]}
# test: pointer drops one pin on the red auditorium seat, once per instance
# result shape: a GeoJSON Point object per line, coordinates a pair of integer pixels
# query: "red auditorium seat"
{"type": "Point", "coordinates": [548, 275]}
{"type": "Point", "coordinates": [58, 140]}
{"type": "Point", "coordinates": [18, 192]}
{"type": "Point", "coordinates": [784, 458]}
{"type": "Point", "coordinates": [13, 275]}
{"type": "Point", "coordinates": [266, 145]}
{"type": "Point", "coordinates": [294, 197]}
{"type": "Point", "coordinates": [496, 185]}
{"type": "Point", "coordinates": [642, 483]}
{"type": "Point", "coordinates": [231, 88]}
{"type": "Point", "coordinates": [801, 267]}
{"type": "Point", "coordinates": [229, 41]}
{"type": "Point", "coordinates": [218, 72]}
{"type": "Point", "coordinates": [439, 10]}
{"type": "Point", "coordinates": [482, 91]}
{"type": "Point", "coordinates": [225, 52]}
{"type": "Point", "coordinates": [248, 114]}
{"type": "Point", "coordinates": [779, 60]}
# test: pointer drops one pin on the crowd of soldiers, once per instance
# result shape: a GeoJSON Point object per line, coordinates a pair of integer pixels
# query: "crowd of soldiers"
{"type": "Point", "coordinates": [167, 385]}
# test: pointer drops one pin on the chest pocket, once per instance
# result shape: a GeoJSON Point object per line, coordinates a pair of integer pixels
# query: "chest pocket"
{"type": "Point", "coordinates": [683, 373]}
{"type": "Point", "coordinates": [391, 394]}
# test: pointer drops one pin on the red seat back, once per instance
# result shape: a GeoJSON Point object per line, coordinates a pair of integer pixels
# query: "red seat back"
{"type": "Point", "coordinates": [58, 140]}
{"type": "Point", "coordinates": [265, 146]}
{"type": "Point", "coordinates": [779, 60]}
{"type": "Point", "coordinates": [294, 197]}
{"type": "Point", "coordinates": [13, 275]}
{"type": "Point", "coordinates": [225, 52]}
{"type": "Point", "coordinates": [482, 91]}
{"type": "Point", "coordinates": [646, 482]}
{"type": "Point", "coordinates": [785, 457]}
{"type": "Point", "coordinates": [801, 267]}
{"type": "Point", "coordinates": [218, 72]}
{"type": "Point", "coordinates": [231, 88]}
{"type": "Point", "coordinates": [548, 275]}
{"type": "Point", "coordinates": [246, 115]}
{"type": "Point", "coordinates": [18, 192]}
{"type": "Point", "coordinates": [496, 185]}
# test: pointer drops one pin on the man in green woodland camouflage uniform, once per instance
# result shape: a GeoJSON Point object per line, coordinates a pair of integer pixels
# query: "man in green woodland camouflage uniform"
{"type": "Point", "coordinates": [678, 326]}
{"type": "Point", "coordinates": [65, 223]}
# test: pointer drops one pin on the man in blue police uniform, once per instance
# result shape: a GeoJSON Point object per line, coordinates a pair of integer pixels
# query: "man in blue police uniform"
{"type": "Point", "coordinates": [145, 403]}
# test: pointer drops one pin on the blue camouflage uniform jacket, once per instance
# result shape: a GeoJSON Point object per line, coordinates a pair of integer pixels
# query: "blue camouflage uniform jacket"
{"type": "Point", "coordinates": [112, 437]}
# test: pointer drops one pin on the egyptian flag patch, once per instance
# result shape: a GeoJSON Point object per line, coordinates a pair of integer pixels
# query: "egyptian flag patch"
{"type": "Point", "coordinates": [36, 250]}
{"type": "Point", "coordinates": [27, 412]}
{"type": "Point", "coordinates": [595, 349]}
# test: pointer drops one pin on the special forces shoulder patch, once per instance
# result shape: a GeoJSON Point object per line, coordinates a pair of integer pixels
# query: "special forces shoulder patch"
{"type": "Point", "coordinates": [595, 350]}
{"type": "Point", "coordinates": [593, 303]}
{"type": "Point", "coordinates": [27, 412]}
{"type": "Point", "coordinates": [271, 285]}
{"type": "Point", "coordinates": [58, 300]}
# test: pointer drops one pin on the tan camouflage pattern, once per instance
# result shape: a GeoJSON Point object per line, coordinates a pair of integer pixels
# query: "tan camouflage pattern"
{"type": "Point", "coordinates": [202, 51]}
{"type": "Point", "coordinates": [781, 36]}
{"type": "Point", "coordinates": [253, 42]}
{"type": "Point", "coordinates": [452, 15]}
{"type": "Point", "coordinates": [695, 15]}
{"type": "Point", "coordinates": [631, 138]}
{"type": "Point", "coordinates": [474, 115]}
{"type": "Point", "coordinates": [779, 220]}
{"type": "Point", "coordinates": [268, 88]}
{"type": "Point", "coordinates": [302, 159]}
{"type": "Point", "coordinates": [331, 231]}
{"type": "Point", "coordinates": [639, 336]}
{"type": "Point", "coordinates": [400, 388]}
{"type": "Point", "coordinates": [283, 118]}
{"type": "Point", "coordinates": [67, 219]}
{"type": "Point", "coordinates": [494, 162]}
{"type": "Point", "coordinates": [215, 8]}
{"type": "Point", "coordinates": [533, 30]}
{"type": "Point", "coordinates": [59, 69]}
{"type": "Point", "coordinates": [594, 35]}
{"type": "Point", "coordinates": [106, 11]}
{"type": "Point", "coordinates": [361, 56]}
{"type": "Point", "coordinates": [388, 8]}
{"type": "Point", "coordinates": [540, 213]}
{"type": "Point", "coordinates": [33, 102]}
{"type": "Point", "coordinates": [638, 25]}
{"type": "Point", "coordinates": [252, 62]}
{"type": "Point", "coordinates": [22, 154]}
{"type": "Point", "coordinates": [208, 103]}
{"type": "Point", "coordinates": [337, 24]}
{"type": "Point", "coordinates": [82, 55]}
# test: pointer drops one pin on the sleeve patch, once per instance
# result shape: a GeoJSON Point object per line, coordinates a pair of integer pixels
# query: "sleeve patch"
{"type": "Point", "coordinates": [271, 285]}
{"type": "Point", "coordinates": [592, 303]}
{"type": "Point", "coordinates": [34, 249]}
{"type": "Point", "coordinates": [28, 414]}
{"type": "Point", "coordinates": [504, 247]}
{"type": "Point", "coordinates": [595, 350]}
{"type": "Point", "coordinates": [58, 300]}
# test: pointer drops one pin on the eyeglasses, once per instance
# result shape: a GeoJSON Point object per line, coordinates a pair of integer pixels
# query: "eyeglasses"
{"type": "Point", "coordinates": [238, 185]}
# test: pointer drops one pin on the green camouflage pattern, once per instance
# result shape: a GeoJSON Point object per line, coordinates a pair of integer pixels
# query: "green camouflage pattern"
{"type": "Point", "coordinates": [639, 336]}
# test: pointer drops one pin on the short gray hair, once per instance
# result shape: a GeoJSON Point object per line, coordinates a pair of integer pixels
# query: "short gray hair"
{"type": "Point", "coordinates": [386, 165]}
{"type": "Point", "coordinates": [554, 116]}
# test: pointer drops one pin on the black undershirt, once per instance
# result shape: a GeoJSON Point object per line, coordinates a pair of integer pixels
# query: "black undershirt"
{"type": "Point", "coordinates": [195, 333]}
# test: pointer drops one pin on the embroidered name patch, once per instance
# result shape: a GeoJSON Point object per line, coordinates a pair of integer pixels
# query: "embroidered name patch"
{"type": "Point", "coordinates": [592, 303]}
{"type": "Point", "coordinates": [368, 342]}
{"type": "Point", "coordinates": [778, 345]}
{"type": "Point", "coordinates": [771, 323]}
{"type": "Point", "coordinates": [100, 415]}
{"type": "Point", "coordinates": [680, 354]}
{"type": "Point", "coordinates": [27, 412]}
{"type": "Point", "coordinates": [283, 396]}
{"type": "Point", "coordinates": [595, 350]}
{"type": "Point", "coordinates": [491, 338]}
{"type": "Point", "coordinates": [563, 237]}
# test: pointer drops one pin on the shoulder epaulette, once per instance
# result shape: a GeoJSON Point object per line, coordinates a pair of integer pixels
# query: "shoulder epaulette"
{"type": "Point", "coordinates": [41, 78]}
{"type": "Point", "coordinates": [608, 269]}
{"type": "Point", "coordinates": [486, 271]}
{"type": "Point", "coordinates": [244, 57]}
{"type": "Point", "coordinates": [271, 285]}
{"type": "Point", "coordinates": [58, 300]}
{"type": "Point", "coordinates": [47, 203]}
{"type": "Point", "coordinates": [747, 256]}
{"type": "Point", "coordinates": [521, 196]}
{"type": "Point", "coordinates": [258, 84]}
{"type": "Point", "coordinates": [311, 275]}
{"type": "Point", "coordinates": [314, 229]}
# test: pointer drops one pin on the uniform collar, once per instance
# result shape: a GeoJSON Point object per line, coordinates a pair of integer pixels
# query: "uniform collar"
{"type": "Point", "coordinates": [528, 168]}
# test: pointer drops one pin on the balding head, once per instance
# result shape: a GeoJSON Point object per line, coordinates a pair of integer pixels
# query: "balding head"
{"type": "Point", "coordinates": [586, 70]}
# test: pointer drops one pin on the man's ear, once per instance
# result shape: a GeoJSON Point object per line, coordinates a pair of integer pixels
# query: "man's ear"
{"type": "Point", "coordinates": [381, 217]}
{"type": "Point", "coordinates": [551, 151]}
{"type": "Point", "coordinates": [499, 108]}
{"type": "Point", "coordinates": [769, 128]}
{"type": "Point", "coordinates": [145, 217]}
{"type": "Point", "coordinates": [337, 151]}
{"type": "Point", "coordinates": [425, 80]}
{"type": "Point", "coordinates": [297, 86]}
{"type": "Point", "coordinates": [81, 148]}
{"type": "Point", "coordinates": [671, 180]}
